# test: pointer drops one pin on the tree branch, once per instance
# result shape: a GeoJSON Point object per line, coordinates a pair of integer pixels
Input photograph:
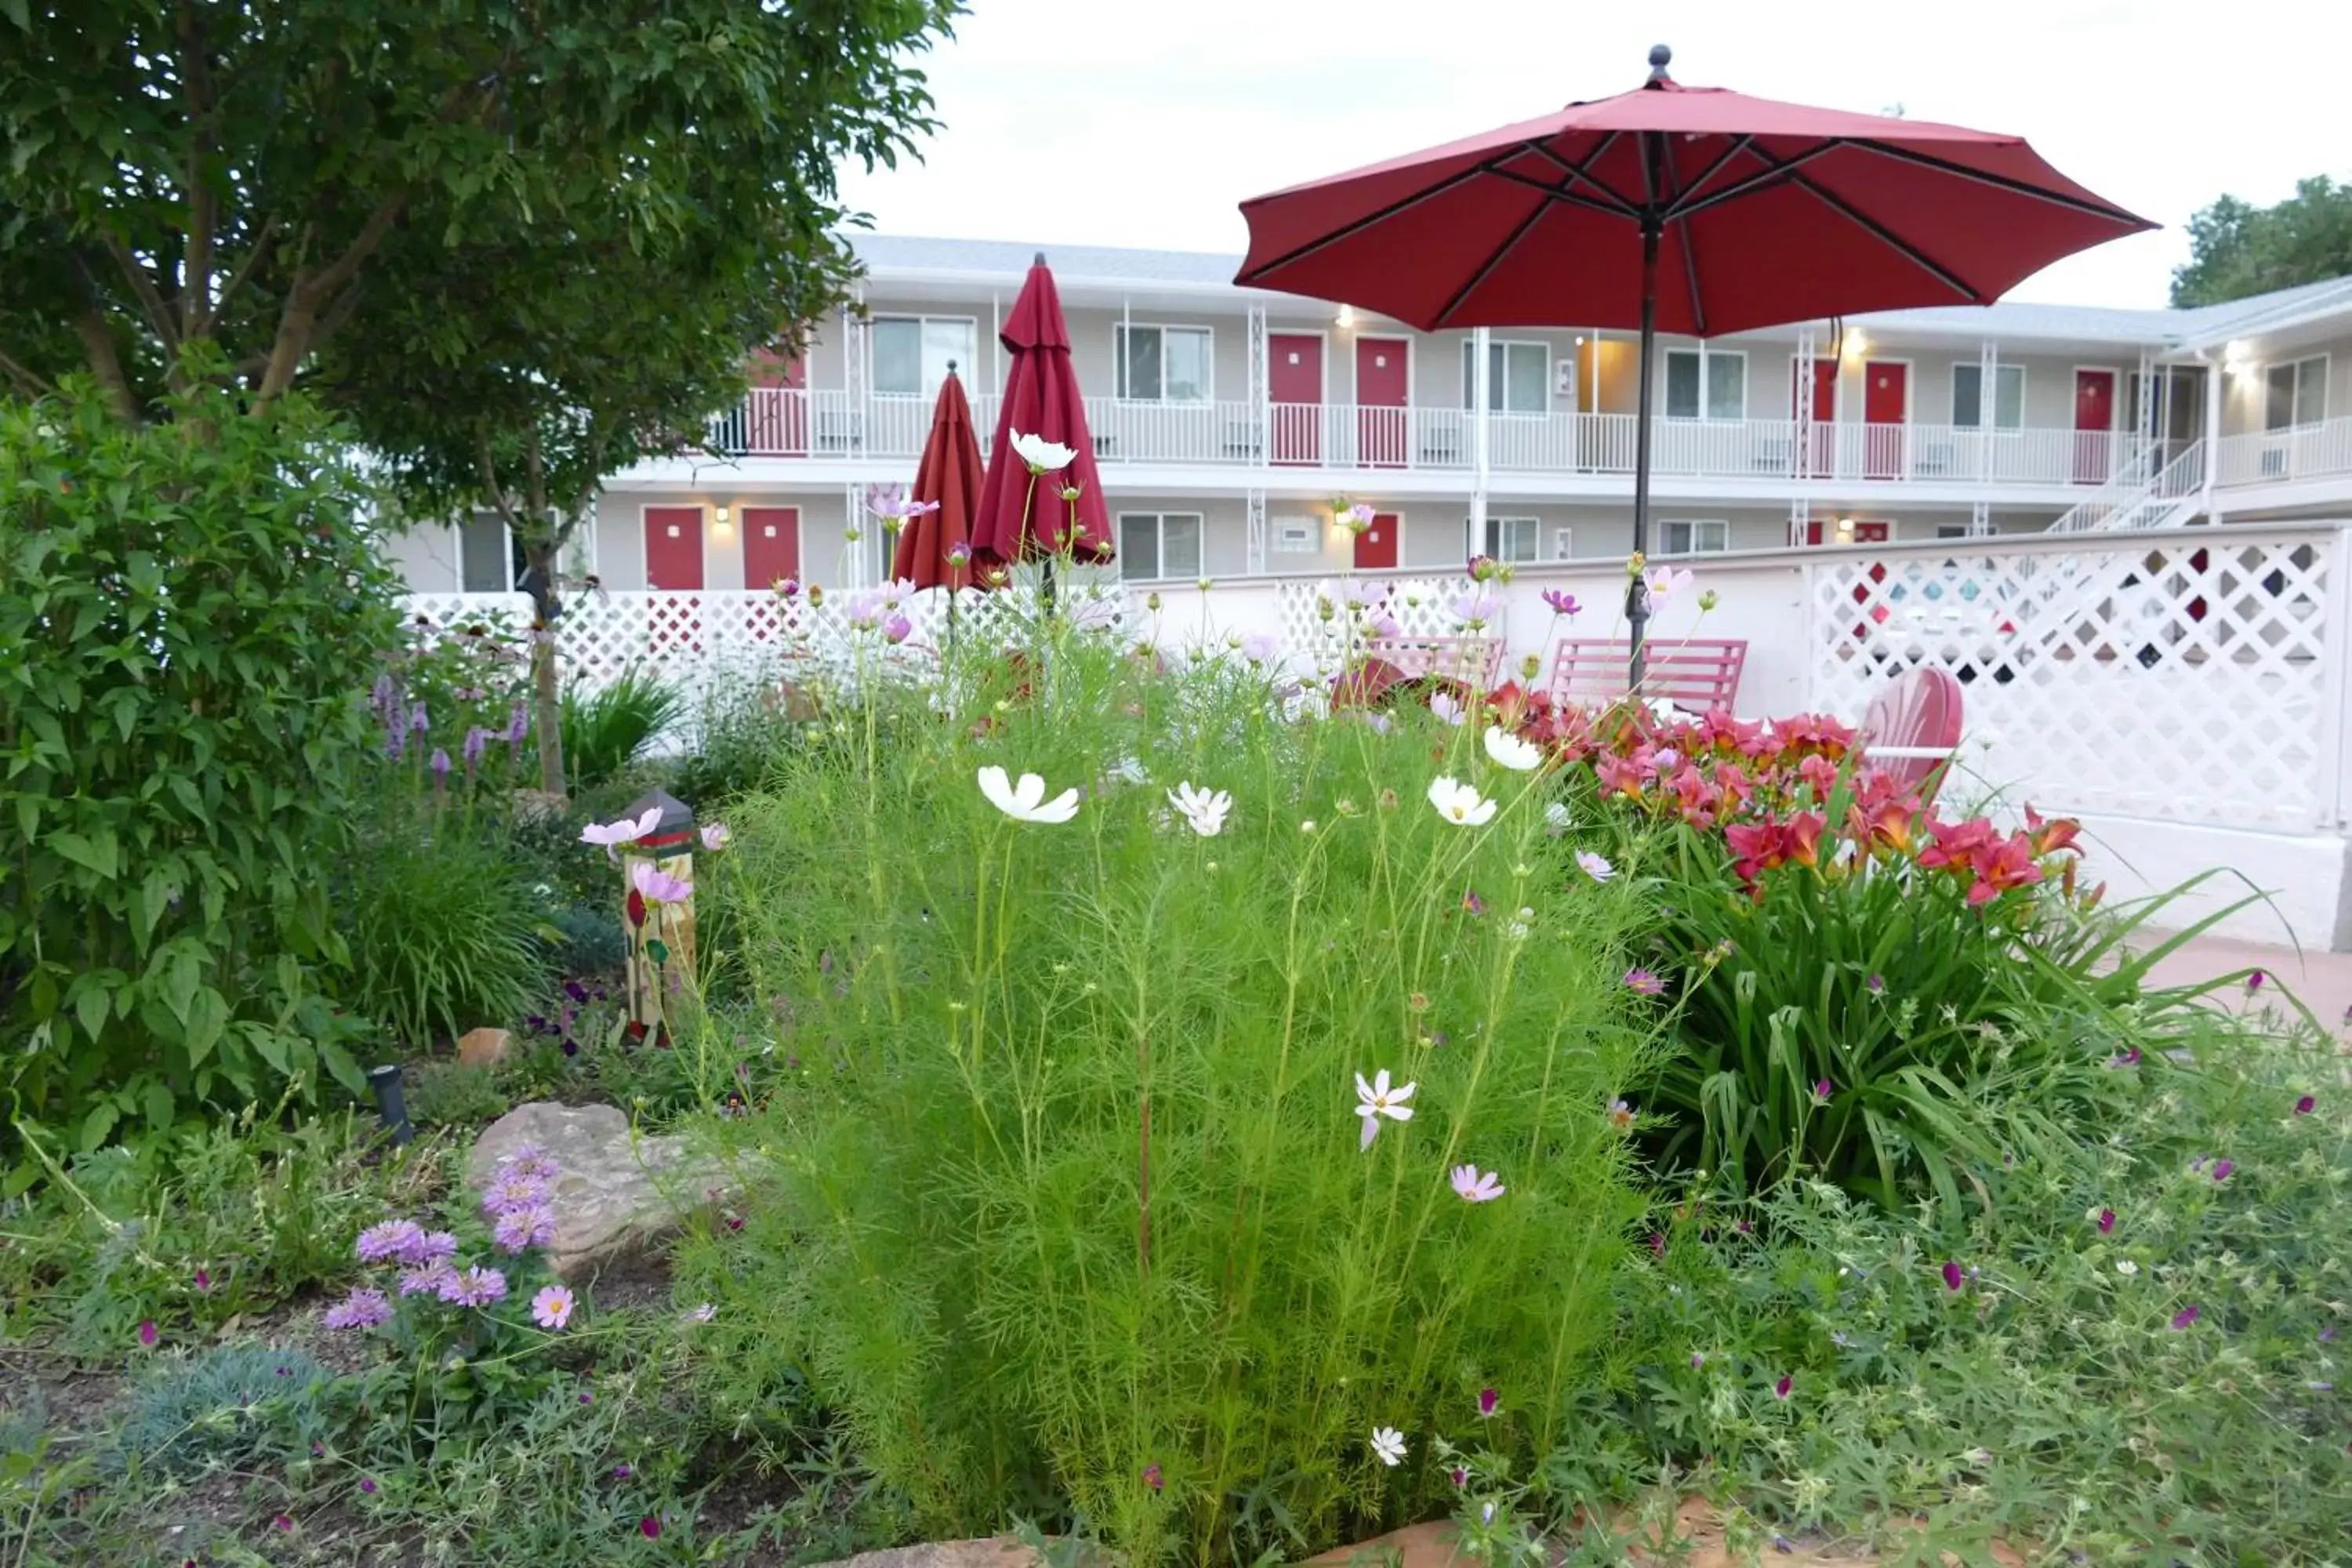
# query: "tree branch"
{"type": "Point", "coordinates": [204, 202]}
{"type": "Point", "coordinates": [30, 384]}
{"type": "Point", "coordinates": [252, 259]}
{"type": "Point", "coordinates": [151, 298]}
{"type": "Point", "coordinates": [297, 322]}
{"type": "Point", "coordinates": [98, 343]}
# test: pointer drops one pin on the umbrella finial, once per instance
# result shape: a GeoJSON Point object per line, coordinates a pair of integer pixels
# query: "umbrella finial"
{"type": "Point", "coordinates": [1661, 57]}
{"type": "Point", "coordinates": [950, 367]}
{"type": "Point", "coordinates": [1041, 260]}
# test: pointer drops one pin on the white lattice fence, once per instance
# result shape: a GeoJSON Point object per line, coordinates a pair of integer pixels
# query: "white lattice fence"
{"type": "Point", "coordinates": [2192, 681]}
{"type": "Point", "coordinates": [1420, 607]}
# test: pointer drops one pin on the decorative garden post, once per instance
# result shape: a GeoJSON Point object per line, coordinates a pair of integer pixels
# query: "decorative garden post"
{"type": "Point", "coordinates": [661, 926]}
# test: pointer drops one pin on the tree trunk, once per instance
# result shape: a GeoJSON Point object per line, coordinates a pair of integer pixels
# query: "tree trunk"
{"type": "Point", "coordinates": [546, 690]}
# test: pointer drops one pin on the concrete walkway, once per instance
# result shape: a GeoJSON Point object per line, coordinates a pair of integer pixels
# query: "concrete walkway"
{"type": "Point", "coordinates": [2323, 981]}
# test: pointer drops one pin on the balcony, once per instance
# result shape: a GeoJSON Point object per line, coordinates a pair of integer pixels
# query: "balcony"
{"type": "Point", "coordinates": [779, 422]}
{"type": "Point", "coordinates": [2283, 456]}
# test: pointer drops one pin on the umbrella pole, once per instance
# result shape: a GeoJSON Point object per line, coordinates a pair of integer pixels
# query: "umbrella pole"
{"type": "Point", "coordinates": [1637, 596]}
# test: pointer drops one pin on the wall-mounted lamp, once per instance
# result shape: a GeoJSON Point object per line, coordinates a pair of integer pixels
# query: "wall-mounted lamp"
{"type": "Point", "coordinates": [2236, 358]}
{"type": "Point", "coordinates": [722, 526]}
{"type": "Point", "coordinates": [1845, 528]}
{"type": "Point", "coordinates": [1579, 340]}
{"type": "Point", "coordinates": [1857, 344]}
{"type": "Point", "coordinates": [1347, 316]}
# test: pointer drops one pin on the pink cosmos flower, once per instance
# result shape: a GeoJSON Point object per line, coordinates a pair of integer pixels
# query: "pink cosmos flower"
{"type": "Point", "coordinates": [362, 1309]}
{"type": "Point", "coordinates": [897, 628]}
{"type": "Point", "coordinates": [1594, 865]}
{"type": "Point", "coordinates": [1474, 1186]}
{"type": "Point", "coordinates": [551, 1307]}
{"type": "Point", "coordinates": [1562, 602]}
{"type": "Point", "coordinates": [657, 886]}
{"type": "Point", "coordinates": [613, 834]}
{"type": "Point", "coordinates": [1153, 1479]}
{"type": "Point", "coordinates": [715, 836]}
{"type": "Point", "coordinates": [1642, 982]}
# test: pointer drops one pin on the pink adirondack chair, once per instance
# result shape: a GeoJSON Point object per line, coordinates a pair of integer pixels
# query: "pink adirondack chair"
{"type": "Point", "coordinates": [1912, 728]}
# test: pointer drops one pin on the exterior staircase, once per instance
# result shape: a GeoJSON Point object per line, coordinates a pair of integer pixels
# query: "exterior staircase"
{"type": "Point", "coordinates": [2142, 495]}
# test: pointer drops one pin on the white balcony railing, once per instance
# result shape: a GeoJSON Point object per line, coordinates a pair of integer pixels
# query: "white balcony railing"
{"type": "Point", "coordinates": [789, 422]}
{"type": "Point", "coordinates": [2275, 456]}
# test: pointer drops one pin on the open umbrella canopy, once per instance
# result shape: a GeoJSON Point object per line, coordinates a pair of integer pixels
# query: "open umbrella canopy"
{"type": "Point", "coordinates": [935, 546]}
{"type": "Point", "coordinates": [1762, 213]}
{"type": "Point", "coordinates": [1022, 514]}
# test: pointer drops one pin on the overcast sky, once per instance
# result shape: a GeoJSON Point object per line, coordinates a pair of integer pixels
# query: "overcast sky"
{"type": "Point", "coordinates": [1133, 123]}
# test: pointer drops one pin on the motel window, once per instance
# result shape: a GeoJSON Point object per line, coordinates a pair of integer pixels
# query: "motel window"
{"type": "Point", "coordinates": [1165, 365]}
{"type": "Point", "coordinates": [1512, 538]}
{"type": "Point", "coordinates": [1694, 536]}
{"type": "Point", "coordinates": [1517, 377]}
{"type": "Point", "coordinates": [1706, 385]}
{"type": "Point", "coordinates": [2008, 397]}
{"type": "Point", "coordinates": [2295, 394]}
{"type": "Point", "coordinates": [911, 354]}
{"type": "Point", "coordinates": [1154, 545]}
{"type": "Point", "coordinates": [488, 560]}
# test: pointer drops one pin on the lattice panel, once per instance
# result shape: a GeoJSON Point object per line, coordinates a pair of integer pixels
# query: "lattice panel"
{"type": "Point", "coordinates": [1421, 606]}
{"type": "Point", "coordinates": [2186, 683]}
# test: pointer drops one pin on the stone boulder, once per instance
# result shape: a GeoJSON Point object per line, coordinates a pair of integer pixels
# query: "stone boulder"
{"type": "Point", "coordinates": [617, 1195]}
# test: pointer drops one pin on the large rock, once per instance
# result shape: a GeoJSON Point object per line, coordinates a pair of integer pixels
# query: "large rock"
{"type": "Point", "coordinates": [616, 1195]}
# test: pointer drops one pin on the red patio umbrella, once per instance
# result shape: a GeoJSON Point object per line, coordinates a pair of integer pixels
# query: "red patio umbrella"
{"type": "Point", "coordinates": [1017, 520]}
{"type": "Point", "coordinates": [1750, 212]}
{"type": "Point", "coordinates": [947, 478]}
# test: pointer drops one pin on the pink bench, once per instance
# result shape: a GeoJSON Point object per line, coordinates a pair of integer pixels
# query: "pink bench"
{"type": "Point", "coordinates": [1700, 675]}
{"type": "Point", "coordinates": [1474, 661]}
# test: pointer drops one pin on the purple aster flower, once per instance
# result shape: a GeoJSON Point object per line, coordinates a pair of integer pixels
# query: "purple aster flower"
{"type": "Point", "coordinates": [476, 1287]}
{"type": "Point", "coordinates": [390, 1239]}
{"type": "Point", "coordinates": [1953, 1276]}
{"type": "Point", "coordinates": [426, 1279]}
{"type": "Point", "coordinates": [622, 1472]}
{"type": "Point", "coordinates": [362, 1309]}
{"type": "Point", "coordinates": [2183, 1317]}
{"type": "Point", "coordinates": [2222, 1169]}
{"type": "Point", "coordinates": [518, 1229]}
{"type": "Point", "coordinates": [433, 1247]}
{"type": "Point", "coordinates": [1642, 982]}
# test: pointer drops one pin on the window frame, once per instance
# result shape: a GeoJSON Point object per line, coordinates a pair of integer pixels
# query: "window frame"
{"type": "Point", "coordinates": [1706, 357]}
{"type": "Point", "coordinates": [921, 321]}
{"type": "Point", "coordinates": [2295, 391]}
{"type": "Point", "coordinates": [2000, 369]}
{"type": "Point", "coordinates": [1160, 545]}
{"type": "Point", "coordinates": [1120, 331]}
{"type": "Point", "coordinates": [1470, 375]}
{"type": "Point", "coordinates": [1495, 522]}
{"type": "Point", "coordinates": [512, 552]}
{"type": "Point", "coordinates": [1695, 523]}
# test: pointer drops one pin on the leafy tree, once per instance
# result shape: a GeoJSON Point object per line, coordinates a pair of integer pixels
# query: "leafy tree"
{"type": "Point", "coordinates": [516, 244]}
{"type": "Point", "coordinates": [2236, 248]}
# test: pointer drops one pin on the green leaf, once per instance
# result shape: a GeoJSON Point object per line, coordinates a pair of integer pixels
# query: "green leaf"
{"type": "Point", "coordinates": [95, 855]}
{"type": "Point", "coordinates": [157, 1098]}
{"type": "Point", "coordinates": [91, 1006]}
{"type": "Point", "coordinates": [658, 950]}
{"type": "Point", "coordinates": [207, 1016]}
{"type": "Point", "coordinates": [98, 1125]}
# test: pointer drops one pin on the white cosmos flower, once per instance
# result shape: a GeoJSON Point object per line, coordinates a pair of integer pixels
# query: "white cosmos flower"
{"type": "Point", "coordinates": [1595, 866]}
{"type": "Point", "coordinates": [621, 832]}
{"type": "Point", "coordinates": [1459, 803]}
{"type": "Point", "coordinates": [1510, 751]}
{"type": "Point", "coordinates": [1204, 810]}
{"type": "Point", "coordinates": [1027, 802]}
{"type": "Point", "coordinates": [1376, 1099]}
{"type": "Point", "coordinates": [1388, 1445]}
{"type": "Point", "coordinates": [1042, 457]}
{"type": "Point", "coordinates": [1555, 816]}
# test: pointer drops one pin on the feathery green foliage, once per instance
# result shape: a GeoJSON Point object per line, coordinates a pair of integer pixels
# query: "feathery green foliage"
{"type": "Point", "coordinates": [1069, 1197]}
{"type": "Point", "coordinates": [606, 730]}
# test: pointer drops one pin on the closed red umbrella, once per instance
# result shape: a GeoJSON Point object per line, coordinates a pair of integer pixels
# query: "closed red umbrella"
{"type": "Point", "coordinates": [948, 479]}
{"type": "Point", "coordinates": [1018, 520]}
{"type": "Point", "coordinates": [1697, 210]}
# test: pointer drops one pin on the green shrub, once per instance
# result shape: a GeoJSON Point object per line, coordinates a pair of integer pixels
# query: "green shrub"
{"type": "Point", "coordinates": [1063, 1196]}
{"type": "Point", "coordinates": [446, 935]}
{"type": "Point", "coordinates": [191, 615]}
{"type": "Point", "coordinates": [234, 1404]}
{"type": "Point", "coordinates": [744, 728]}
{"type": "Point", "coordinates": [451, 1094]}
{"type": "Point", "coordinates": [607, 730]}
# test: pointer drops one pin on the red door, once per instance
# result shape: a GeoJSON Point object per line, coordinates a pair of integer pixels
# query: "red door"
{"type": "Point", "coordinates": [2095, 420]}
{"type": "Point", "coordinates": [1816, 451]}
{"type": "Point", "coordinates": [776, 423]}
{"type": "Point", "coordinates": [1376, 547]}
{"type": "Point", "coordinates": [771, 545]}
{"type": "Point", "coordinates": [1871, 532]}
{"type": "Point", "coordinates": [1886, 404]}
{"type": "Point", "coordinates": [1383, 420]}
{"type": "Point", "coordinates": [674, 548]}
{"type": "Point", "coordinates": [1294, 385]}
